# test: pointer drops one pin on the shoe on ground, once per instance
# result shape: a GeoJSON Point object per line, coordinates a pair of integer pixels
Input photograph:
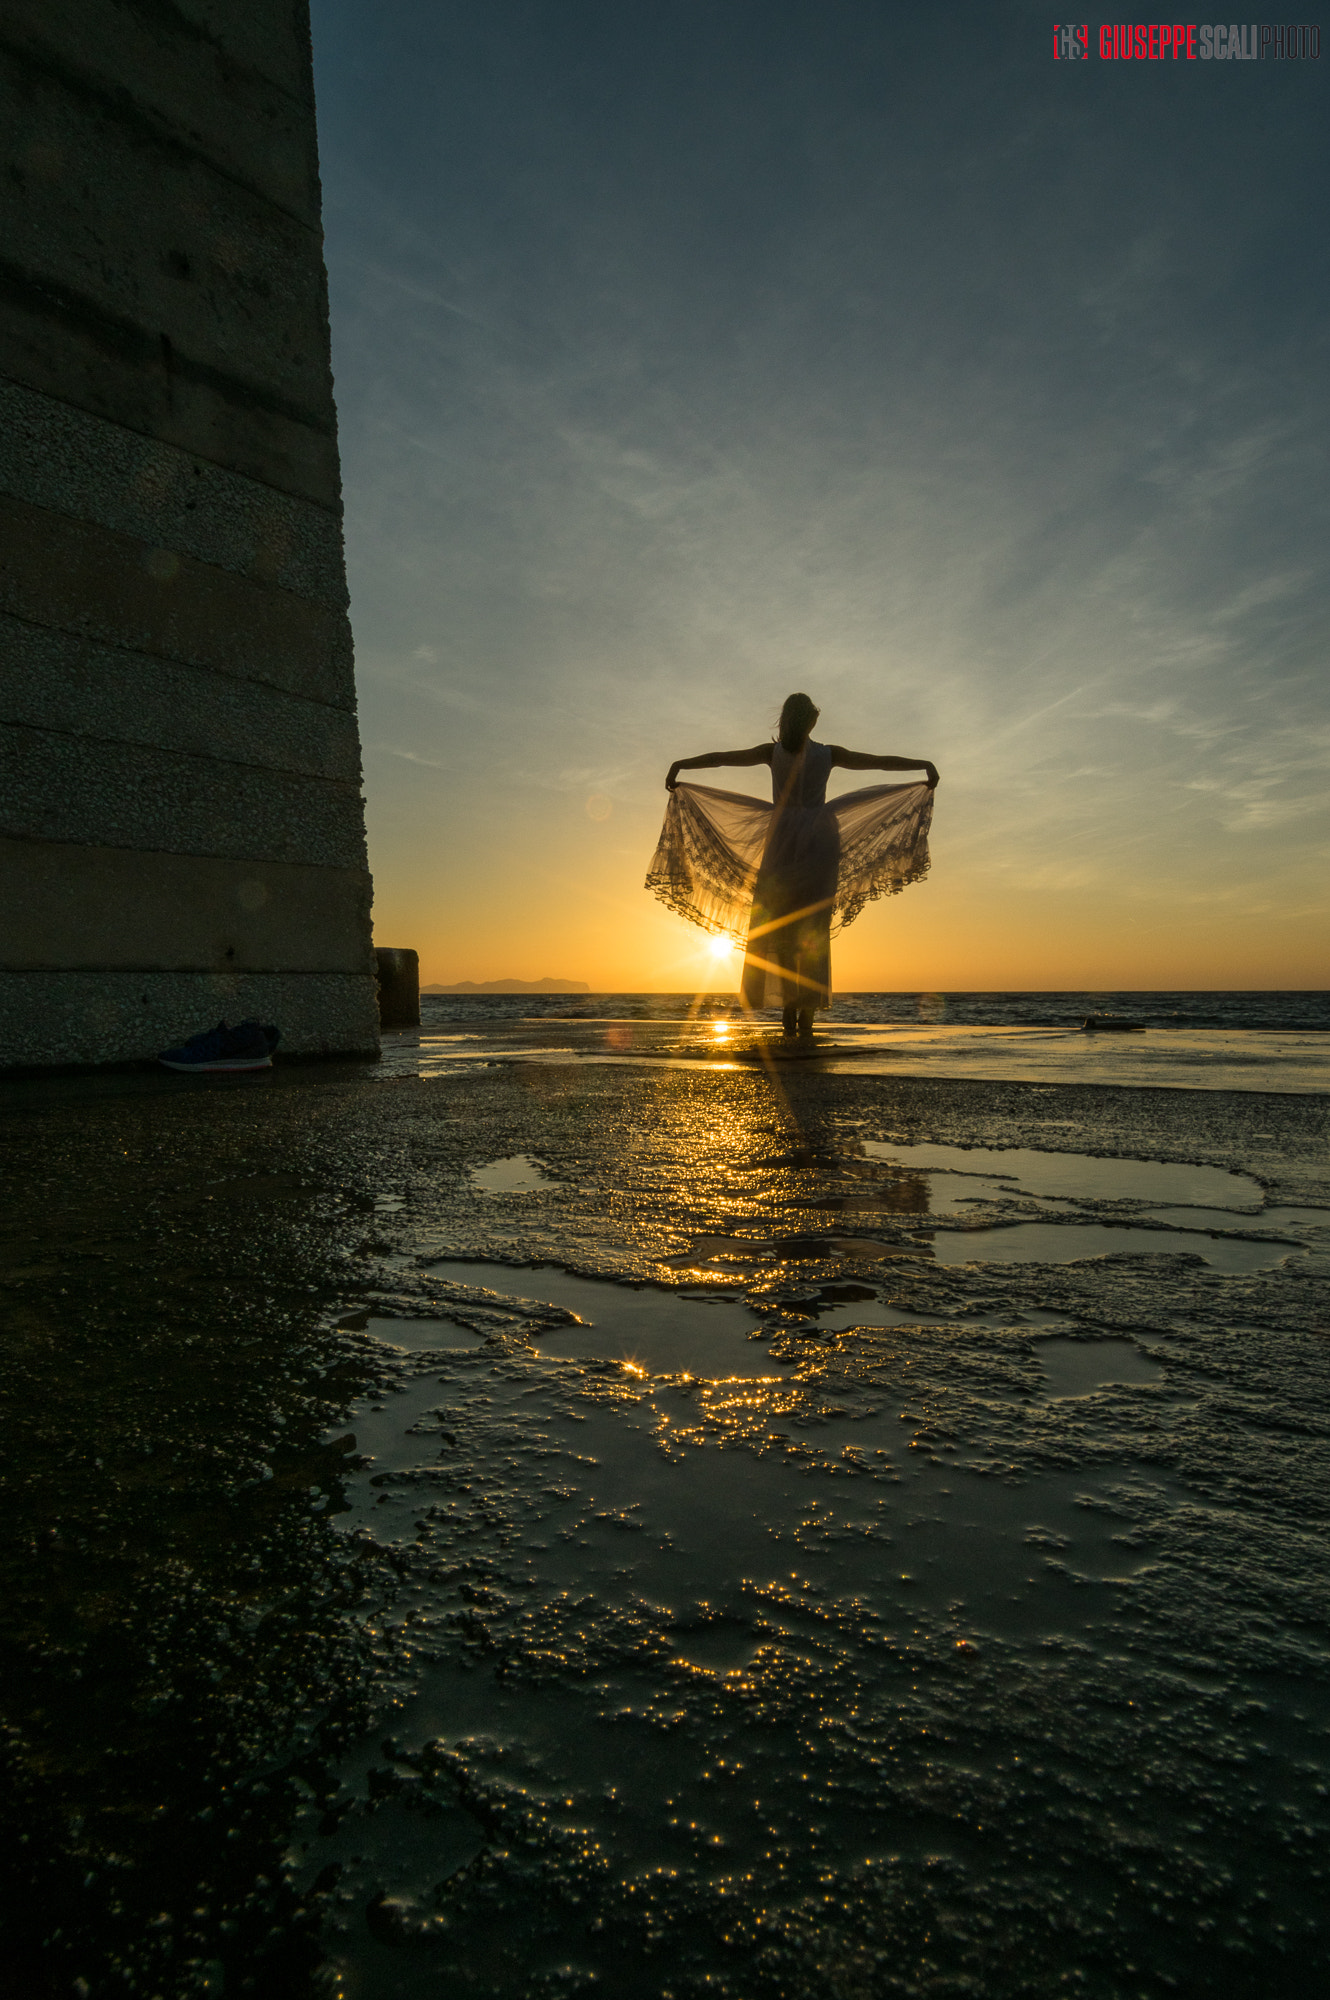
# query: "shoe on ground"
{"type": "Point", "coordinates": [246, 1046]}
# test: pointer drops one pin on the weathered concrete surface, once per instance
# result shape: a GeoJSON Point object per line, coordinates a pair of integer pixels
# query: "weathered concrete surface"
{"type": "Point", "coordinates": [57, 456]}
{"type": "Point", "coordinates": [116, 370]}
{"type": "Point", "coordinates": [180, 809]}
{"type": "Point", "coordinates": [72, 1018]}
{"type": "Point", "coordinates": [238, 100]}
{"type": "Point", "coordinates": [143, 283]}
{"type": "Point", "coordinates": [55, 787]}
{"type": "Point", "coordinates": [143, 230]}
{"type": "Point", "coordinates": [78, 686]}
{"type": "Point", "coordinates": [70, 906]}
{"type": "Point", "coordinates": [76, 576]}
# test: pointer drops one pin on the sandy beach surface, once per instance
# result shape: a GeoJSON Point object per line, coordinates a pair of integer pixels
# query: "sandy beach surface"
{"type": "Point", "coordinates": [596, 1509]}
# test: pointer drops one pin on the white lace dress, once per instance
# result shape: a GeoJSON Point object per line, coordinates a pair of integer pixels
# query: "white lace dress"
{"type": "Point", "coordinates": [783, 877]}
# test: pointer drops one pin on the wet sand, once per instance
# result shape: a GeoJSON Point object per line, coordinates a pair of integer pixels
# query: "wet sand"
{"type": "Point", "coordinates": [565, 1525]}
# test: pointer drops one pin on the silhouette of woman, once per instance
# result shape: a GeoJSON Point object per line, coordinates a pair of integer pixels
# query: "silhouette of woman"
{"type": "Point", "coordinates": [781, 874]}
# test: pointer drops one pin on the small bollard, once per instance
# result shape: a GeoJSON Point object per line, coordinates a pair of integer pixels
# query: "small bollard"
{"type": "Point", "coordinates": [399, 987]}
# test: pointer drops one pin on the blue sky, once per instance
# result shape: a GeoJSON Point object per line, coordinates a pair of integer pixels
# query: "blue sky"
{"type": "Point", "coordinates": [689, 354]}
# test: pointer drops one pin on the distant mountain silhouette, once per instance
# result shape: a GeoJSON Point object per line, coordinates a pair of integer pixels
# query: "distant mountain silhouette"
{"type": "Point", "coordinates": [513, 986]}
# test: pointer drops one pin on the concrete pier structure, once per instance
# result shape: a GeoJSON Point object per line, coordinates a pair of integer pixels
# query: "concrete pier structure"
{"type": "Point", "coordinates": [181, 823]}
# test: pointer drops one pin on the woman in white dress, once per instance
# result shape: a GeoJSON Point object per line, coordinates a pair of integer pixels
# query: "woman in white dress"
{"type": "Point", "coordinates": [784, 872]}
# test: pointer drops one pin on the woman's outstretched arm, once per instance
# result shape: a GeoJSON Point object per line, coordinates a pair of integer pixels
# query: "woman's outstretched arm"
{"type": "Point", "coordinates": [859, 760]}
{"type": "Point", "coordinates": [759, 754]}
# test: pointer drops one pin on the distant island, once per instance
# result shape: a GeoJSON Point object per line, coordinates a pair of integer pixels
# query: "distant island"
{"type": "Point", "coordinates": [513, 986]}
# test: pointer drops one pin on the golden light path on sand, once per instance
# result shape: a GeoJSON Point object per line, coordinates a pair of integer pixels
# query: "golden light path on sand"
{"type": "Point", "coordinates": [599, 1506]}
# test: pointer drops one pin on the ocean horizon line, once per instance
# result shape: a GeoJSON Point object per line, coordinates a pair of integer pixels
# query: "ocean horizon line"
{"type": "Point", "coordinates": [515, 988]}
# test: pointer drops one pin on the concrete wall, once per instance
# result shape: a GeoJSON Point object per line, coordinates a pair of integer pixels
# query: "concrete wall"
{"type": "Point", "coordinates": [181, 825]}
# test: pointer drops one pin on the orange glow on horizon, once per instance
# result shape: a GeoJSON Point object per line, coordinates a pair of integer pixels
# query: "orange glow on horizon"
{"type": "Point", "coordinates": [575, 908]}
{"type": "Point", "coordinates": [928, 940]}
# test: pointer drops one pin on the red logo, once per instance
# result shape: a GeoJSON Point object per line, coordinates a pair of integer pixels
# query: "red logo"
{"type": "Point", "coordinates": [1187, 41]}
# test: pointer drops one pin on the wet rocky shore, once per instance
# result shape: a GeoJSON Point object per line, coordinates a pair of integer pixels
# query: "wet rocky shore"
{"type": "Point", "coordinates": [558, 1527]}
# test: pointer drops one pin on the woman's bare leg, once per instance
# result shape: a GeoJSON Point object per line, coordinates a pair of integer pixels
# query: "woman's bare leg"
{"type": "Point", "coordinates": [787, 1020]}
{"type": "Point", "coordinates": [805, 1024]}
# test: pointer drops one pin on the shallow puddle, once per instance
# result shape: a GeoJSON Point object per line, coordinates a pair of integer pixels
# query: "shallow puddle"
{"type": "Point", "coordinates": [1080, 1176]}
{"type": "Point", "coordinates": [607, 1501]}
{"type": "Point", "coordinates": [1069, 1242]}
{"type": "Point", "coordinates": [518, 1174]}
{"type": "Point", "coordinates": [645, 1581]}
{"type": "Point", "coordinates": [416, 1335]}
{"type": "Point", "coordinates": [871, 1312]}
{"type": "Point", "coordinates": [1080, 1367]}
{"type": "Point", "coordinates": [651, 1329]}
{"type": "Point", "coordinates": [743, 1256]}
{"type": "Point", "coordinates": [1297, 1221]}
{"type": "Point", "coordinates": [724, 1646]}
{"type": "Point", "coordinates": [1050, 1242]}
{"type": "Point", "coordinates": [660, 1331]}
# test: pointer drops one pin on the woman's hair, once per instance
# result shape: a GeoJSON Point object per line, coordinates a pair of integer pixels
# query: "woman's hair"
{"type": "Point", "coordinates": [796, 722]}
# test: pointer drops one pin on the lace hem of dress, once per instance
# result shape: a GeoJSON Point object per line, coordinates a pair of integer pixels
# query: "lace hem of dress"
{"type": "Point", "coordinates": [712, 842]}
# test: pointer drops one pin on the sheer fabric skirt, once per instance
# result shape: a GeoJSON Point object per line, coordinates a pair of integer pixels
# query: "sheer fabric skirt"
{"type": "Point", "coordinates": [787, 956]}
{"type": "Point", "coordinates": [783, 880]}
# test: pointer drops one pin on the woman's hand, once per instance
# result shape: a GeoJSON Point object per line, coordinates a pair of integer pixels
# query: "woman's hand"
{"type": "Point", "coordinates": [930, 776]}
{"type": "Point", "coordinates": [672, 776]}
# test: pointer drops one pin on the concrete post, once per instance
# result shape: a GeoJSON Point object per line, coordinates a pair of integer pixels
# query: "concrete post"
{"type": "Point", "coordinates": [399, 988]}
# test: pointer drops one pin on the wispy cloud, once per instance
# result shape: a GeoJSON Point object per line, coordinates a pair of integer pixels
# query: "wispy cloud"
{"type": "Point", "coordinates": [1011, 453]}
{"type": "Point", "coordinates": [406, 756]}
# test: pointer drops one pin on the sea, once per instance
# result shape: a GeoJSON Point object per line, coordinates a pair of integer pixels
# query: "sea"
{"type": "Point", "coordinates": [1266, 1041]}
{"type": "Point", "coordinates": [1295, 1012]}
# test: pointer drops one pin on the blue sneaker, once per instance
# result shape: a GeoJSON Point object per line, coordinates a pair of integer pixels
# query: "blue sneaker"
{"type": "Point", "coordinates": [248, 1046]}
